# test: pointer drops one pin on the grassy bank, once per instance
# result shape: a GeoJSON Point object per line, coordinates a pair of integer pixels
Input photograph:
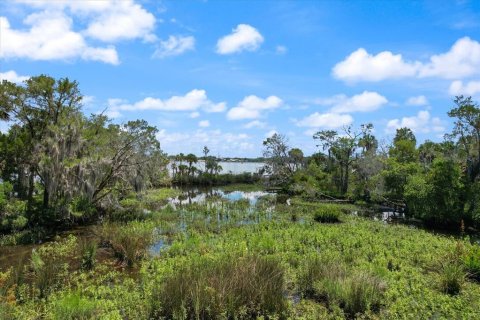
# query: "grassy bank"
{"type": "Point", "coordinates": [226, 260]}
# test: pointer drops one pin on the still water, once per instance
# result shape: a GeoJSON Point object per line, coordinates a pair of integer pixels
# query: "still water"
{"type": "Point", "coordinates": [230, 166]}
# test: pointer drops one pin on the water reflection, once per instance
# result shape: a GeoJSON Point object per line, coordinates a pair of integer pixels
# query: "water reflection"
{"type": "Point", "coordinates": [201, 195]}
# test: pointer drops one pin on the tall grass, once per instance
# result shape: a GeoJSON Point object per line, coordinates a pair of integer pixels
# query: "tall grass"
{"type": "Point", "coordinates": [72, 306]}
{"type": "Point", "coordinates": [129, 242]}
{"type": "Point", "coordinates": [356, 292]}
{"type": "Point", "coordinates": [471, 261]}
{"type": "Point", "coordinates": [232, 288]}
{"type": "Point", "coordinates": [327, 214]}
{"type": "Point", "coordinates": [452, 277]}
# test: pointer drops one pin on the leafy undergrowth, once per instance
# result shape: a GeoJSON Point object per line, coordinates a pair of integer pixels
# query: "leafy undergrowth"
{"type": "Point", "coordinates": [219, 265]}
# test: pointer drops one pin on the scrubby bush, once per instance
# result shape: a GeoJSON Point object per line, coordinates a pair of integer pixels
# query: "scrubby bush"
{"type": "Point", "coordinates": [327, 214]}
{"type": "Point", "coordinates": [232, 288]}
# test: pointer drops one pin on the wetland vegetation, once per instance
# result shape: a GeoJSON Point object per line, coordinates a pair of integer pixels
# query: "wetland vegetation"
{"type": "Point", "coordinates": [93, 226]}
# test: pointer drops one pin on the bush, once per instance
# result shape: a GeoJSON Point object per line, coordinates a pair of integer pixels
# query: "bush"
{"type": "Point", "coordinates": [232, 288]}
{"type": "Point", "coordinates": [88, 251]}
{"type": "Point", "coordinates": [327, 214]}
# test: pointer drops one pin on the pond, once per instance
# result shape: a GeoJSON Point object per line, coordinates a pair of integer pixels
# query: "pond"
{"type": "Point", "coordinates": [200, 195]}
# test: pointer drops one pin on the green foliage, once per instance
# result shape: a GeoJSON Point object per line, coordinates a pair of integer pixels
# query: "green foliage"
{"type": "Point", "coordinates": [471, 262]}
{"type": "Point", "coordinates": [327, 214]}
{"type": "Point", "coordinates": [72, 306]}
{"type": "Point", "coordinates": [434, 197]}
{"type": "Point", "coordinates": [231, 287]}
{"type": "Point", "coordinates": [50, 264]}
{"type": "Point", "coordinates": [88, 252]}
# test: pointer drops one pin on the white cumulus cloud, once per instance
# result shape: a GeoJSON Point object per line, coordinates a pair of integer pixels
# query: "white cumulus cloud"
{"type": "Point", "coordinates": [460, 61]}
{"type": "Point", "coordinates": [192, 101]}
{"type": "Point", "coordinates": [325, 120]}
{"type": "Point", "coordinates": [50, 37]}
{"type": "Point", "coordinates": [122, 20]}
{"type": "Point", "coordinates": [12, 76]}
{"type": "Point", "coordinates": [243, 38]}
{"type": "Point", "coordinates": [362, 66]}
{"type": "Point", "coordinates": [366, 101]}
{"type": "Point", "coordinates": [252, 107]}
{"type": "Point", "coordinates": [421, 123]}
{"type": "Point", "coordinates": [174, 46]}
{"type": "Point", "coordinates": [470, 88]}
{"type": "Point", "coordinates": [255, 124]}
{"type": "Point", "coordinates": [417, 101]}
{"type": "Point", "coordinates": [204, 123]}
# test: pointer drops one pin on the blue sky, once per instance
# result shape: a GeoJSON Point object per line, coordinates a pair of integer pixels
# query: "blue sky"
{"type": "Point", "coordinates": [226, 74]}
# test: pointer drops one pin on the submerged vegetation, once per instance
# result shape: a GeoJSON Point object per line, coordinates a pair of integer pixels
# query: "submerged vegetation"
{"type": "Point", "coordinates": [119, 243]}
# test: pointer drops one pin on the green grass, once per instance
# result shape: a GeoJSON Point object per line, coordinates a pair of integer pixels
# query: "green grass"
{"type": "Point", "coordinates": [327, 214]}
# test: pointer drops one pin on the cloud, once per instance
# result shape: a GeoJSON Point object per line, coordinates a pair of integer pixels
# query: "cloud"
{"type": "Point", "coordinates": [251, 107]}
{"type": "Point", "coordinates": [204, 123]}
{"type": "Point", "coordinates": [218, 142]}
{"type": "Point", "coordinates": [461, 61]}
{"type": "Point", "coordinates": [50, 37]}
{"type": "Point", "coordinates": [12, 76]}
{"type": "Point", "coordinates": [470, 88]}
{"type": "Point", "coordinates": [174, 46]}
{"type": "Point", "coordinates": [417, 101]}
{"type": "Point", "coordinates": [270, 133]}
{"type": "Point", "coordinates": [421, 123]}
{"type": "Point", "coordinates": [366, 101]}
{"type": "Point", "coordinates": [281, 49]}
{"type": "Point", "coordinates": [325, 120]}
{"type": "Point", "coordinates": [255, 124]}
{"type": "Point", "coordinates": [122, 20]}
{"type": "Point", "coordinates": [243, 38]}
{"type": "Point", "coordinates": [192, 101]}
{"type": "Point", "coordinates": [362, 66]}
{"type": "Point", "coordinates": [195, 114]}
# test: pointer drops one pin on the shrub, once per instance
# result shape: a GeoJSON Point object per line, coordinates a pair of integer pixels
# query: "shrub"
{"type": "Point", "coordinates": [233, 288]}
{"type": "Point", "coordinates": [327, 214]}
{"type": "Point", "coordinates": [130, 241]}
{"type": "Point", "coordinates": [73, 306]}
{"type": "Point", "coordinates": [472, 263]}
{"type": "Point", "coordinates": [452, 277]}
{"type": "Point", "coordinates": [88, 251]}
